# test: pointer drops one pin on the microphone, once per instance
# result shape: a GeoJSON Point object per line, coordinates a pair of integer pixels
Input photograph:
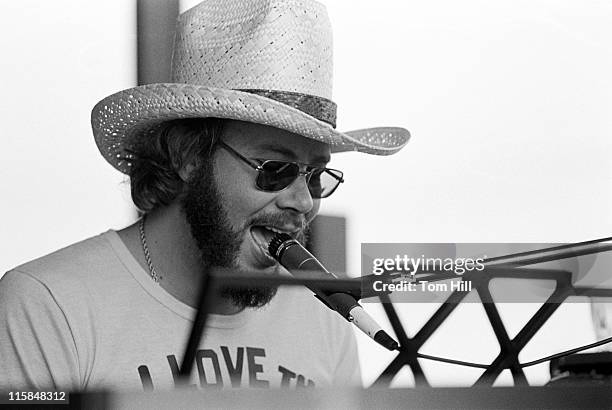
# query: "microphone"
{"type": "Point", "coordinates": [296, 259]}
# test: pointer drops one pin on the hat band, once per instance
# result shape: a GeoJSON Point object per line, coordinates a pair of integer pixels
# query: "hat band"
{"type": "Point", "coordinates": [318, 107]}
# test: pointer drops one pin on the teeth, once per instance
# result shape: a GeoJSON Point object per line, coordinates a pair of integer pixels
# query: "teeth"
{"type": "Point", "coordinates": [273, 229]}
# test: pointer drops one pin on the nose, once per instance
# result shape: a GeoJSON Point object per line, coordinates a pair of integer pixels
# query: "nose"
{"type": "Point", "coordinates": [297, 196]}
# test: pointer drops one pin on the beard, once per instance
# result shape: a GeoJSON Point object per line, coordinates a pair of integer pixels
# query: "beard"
{"type": "Point", "coordinates": [219, 243]}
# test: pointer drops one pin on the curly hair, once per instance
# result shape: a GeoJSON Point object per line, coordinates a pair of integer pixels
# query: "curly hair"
{"type": "Point", "coordinates": [158, 159]}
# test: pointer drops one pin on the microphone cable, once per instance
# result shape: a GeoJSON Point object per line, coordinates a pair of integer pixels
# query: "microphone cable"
{"type": "Point", "coordinates": [521, 365]}
{"type": "Point", "coordinates": [567, 352]}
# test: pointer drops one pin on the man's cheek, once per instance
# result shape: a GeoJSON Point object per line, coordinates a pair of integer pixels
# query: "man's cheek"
{"type": "Point", "coordinates": [313, 213]}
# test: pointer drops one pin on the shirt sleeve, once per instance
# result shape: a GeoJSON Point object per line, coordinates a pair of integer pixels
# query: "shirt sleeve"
{"type": "Point", "coordinates": [37, 349]}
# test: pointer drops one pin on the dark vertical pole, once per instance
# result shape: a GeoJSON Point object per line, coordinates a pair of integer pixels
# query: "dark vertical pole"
{"type": "Point", "coordinates": [155, 25]}
{"type": "Point", "coordinates": [156, 21]}
{"type": "Point", "coordinates": [328, 242]}
{"type": "Point", "coordinates": [197, 329]}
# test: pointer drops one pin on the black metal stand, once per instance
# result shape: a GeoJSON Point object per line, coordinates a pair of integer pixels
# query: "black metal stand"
{"type": "Point", "coordinates": [509, 348]}
{"type": "Point", "coordinates": [409, 347]}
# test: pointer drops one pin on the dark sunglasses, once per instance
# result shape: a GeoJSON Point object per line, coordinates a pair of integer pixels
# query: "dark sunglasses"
{"type": "Point", "coordinates": [274, 175]}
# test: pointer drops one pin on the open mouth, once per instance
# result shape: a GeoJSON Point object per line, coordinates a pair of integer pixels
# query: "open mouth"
{"type": "Point", "coordinates": [262, 235]}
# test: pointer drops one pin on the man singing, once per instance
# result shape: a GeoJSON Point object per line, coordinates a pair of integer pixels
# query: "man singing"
{"type": "Point", "coordinates": [231, 152]}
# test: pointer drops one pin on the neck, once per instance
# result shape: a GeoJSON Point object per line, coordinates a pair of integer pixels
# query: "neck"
{"type": "Point", "coordinates": [175, 256]}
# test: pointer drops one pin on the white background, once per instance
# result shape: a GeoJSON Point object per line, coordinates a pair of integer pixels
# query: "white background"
{"type": "Point", "coordinates": [508, 102]}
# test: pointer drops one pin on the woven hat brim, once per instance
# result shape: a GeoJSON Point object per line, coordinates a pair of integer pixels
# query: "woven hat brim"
{"type": "Point", "coordinates": [120, 118]}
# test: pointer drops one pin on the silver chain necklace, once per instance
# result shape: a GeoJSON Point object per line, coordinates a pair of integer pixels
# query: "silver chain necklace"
{"type": "Point", "coordinates": [156, 278]}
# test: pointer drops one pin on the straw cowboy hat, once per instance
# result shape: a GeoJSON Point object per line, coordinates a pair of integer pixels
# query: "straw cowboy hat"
{"type": "Point", "coordinates": [262, 61]}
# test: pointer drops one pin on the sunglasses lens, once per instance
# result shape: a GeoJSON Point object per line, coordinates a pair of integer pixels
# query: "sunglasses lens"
{"type": "Point", "coordinates": [324, 182]}
{"type": "Point", "coordinates": [277, 175]}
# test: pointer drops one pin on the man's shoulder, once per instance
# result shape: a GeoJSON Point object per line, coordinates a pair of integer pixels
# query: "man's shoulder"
{"type": "Point", "coordinates": [80, 259]}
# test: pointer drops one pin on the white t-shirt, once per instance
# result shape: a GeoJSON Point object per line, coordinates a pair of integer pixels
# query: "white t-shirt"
{"type": "Point", "coordinates": [89, 317]}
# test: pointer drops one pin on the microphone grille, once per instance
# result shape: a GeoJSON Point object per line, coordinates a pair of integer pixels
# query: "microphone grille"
{"type": "Point", "coordinates": [276, 242]}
